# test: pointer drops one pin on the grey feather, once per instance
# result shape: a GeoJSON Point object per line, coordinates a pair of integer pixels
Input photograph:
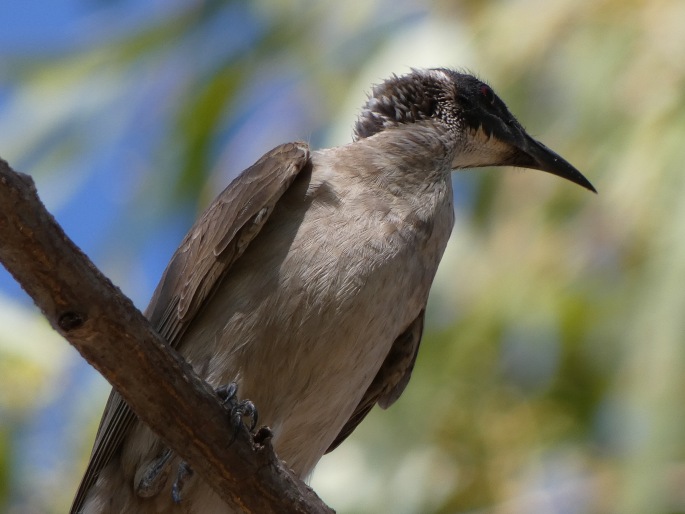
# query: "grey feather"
{"type": "Point", "coordinates": [391, 379]}
{"type": "Point", "coordinates": [207, 252]}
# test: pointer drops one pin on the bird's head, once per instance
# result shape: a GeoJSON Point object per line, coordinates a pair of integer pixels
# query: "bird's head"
{"type": "Point", "coordinates": [484, 132]}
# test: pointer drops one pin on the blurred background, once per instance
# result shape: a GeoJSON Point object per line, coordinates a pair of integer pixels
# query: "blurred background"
{"type": "Point", "coordinates": [550, 378]}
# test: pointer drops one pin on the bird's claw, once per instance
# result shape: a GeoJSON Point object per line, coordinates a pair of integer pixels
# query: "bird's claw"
{"type": "Point", "coordinates": [155, 475]}
{"type": "Point", "coordinates": [239, 409]}
{"type": "Point", "coordinates": [184, 472]}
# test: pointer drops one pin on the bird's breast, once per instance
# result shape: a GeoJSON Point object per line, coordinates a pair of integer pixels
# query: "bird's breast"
{"type": "Point", "coordinates": [307, 315]}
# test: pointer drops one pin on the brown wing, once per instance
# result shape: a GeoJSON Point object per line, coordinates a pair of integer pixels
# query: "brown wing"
{"type": "Point", "coordinates": [391, 379]}
{"type": "Point", "coordinates": [216, 240]}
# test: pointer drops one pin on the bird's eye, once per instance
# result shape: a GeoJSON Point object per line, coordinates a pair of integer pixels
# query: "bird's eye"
{"type": "Point", "coordinates": [487, 93]}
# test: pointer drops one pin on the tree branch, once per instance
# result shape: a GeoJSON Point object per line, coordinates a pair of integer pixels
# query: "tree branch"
{"type": "Point", "coordinates": [112, 335]}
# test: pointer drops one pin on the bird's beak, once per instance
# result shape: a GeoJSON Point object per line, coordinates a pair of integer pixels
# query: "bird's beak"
{"type": "Point", "coordinates": [533, 154]}
{"type": "Point", "coordinates": [512, 146]}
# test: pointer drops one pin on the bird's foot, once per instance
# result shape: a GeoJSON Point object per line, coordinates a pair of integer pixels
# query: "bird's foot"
{"type": "Point", "coordinates": [240, 411]}
{"type": "Point", "coordinates": [184, 472]}
{"type": "Point", "coordinates": [155, 475]}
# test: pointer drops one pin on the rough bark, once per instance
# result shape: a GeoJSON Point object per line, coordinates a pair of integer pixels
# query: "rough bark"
{"type": "Point", "coordinates": [113, 336]}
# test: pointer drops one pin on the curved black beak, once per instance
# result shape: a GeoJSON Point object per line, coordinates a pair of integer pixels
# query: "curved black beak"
{"type": "Point", "coordinates": [533, 154]}
{"type": "Point", "coordinates": [508, 144]}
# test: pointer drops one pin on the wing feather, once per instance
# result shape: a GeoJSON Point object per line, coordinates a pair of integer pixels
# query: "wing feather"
{"type": "Point", "coordinates": [207, 252]}
{"type": "Point", "coordinates": [390, 381]}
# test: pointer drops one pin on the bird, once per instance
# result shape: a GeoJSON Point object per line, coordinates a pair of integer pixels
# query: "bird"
{"type": "Point", "coordinates": [304, 284]}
